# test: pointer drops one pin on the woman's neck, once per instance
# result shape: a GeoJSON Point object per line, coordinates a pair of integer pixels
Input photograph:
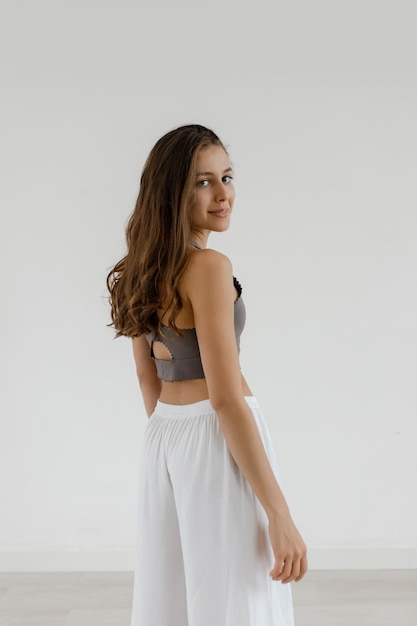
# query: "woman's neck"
{"type": "Point", "coordinates": [199, 240]}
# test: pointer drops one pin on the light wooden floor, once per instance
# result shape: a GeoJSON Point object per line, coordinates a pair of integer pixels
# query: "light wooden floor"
{"type": "Point", "coordinates": [386, 598]}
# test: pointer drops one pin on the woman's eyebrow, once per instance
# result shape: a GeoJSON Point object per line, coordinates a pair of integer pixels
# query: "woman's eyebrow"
{"type": "Point", "coordinates": [229, 169]}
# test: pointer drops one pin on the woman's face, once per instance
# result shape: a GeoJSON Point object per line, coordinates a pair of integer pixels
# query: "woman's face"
{"type": "Point", "coordinates": [214, 191]}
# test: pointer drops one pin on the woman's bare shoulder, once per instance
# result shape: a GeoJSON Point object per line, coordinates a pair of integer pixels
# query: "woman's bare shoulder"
{"type": "Point", "coordinates": [207, 270]}
{"type": "Point", "coordinates": [209, 261]}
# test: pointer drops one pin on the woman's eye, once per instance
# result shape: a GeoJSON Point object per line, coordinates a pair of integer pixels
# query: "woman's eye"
{"type": "Point", "coordinates": [205, 182]}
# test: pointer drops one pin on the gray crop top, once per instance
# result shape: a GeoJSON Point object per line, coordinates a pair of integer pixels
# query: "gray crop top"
{"type": "Point", "coordinates": [186, 360]}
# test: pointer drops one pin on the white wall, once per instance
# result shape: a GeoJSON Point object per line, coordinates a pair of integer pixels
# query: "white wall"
{"type": "Point", "coordinates": [317, 103]}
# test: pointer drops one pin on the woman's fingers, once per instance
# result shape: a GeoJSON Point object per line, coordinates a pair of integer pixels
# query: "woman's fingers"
{"type": "Point", "coordinates": [277, 569]}
{"type": "Point", "coordinates": [286, 572]}
{"type": "Point", "coordinates": [290, 568]}
{"type": "Point", "coordinates": [295, 571]}
{"type": "Point", "coordinates": [303, 568]}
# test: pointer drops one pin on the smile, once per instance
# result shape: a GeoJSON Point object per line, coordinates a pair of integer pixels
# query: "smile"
{"type": "Point", "coordinates": [220, 212]}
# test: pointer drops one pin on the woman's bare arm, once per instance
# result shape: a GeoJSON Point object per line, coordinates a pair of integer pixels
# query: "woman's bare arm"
{"type": "Point", "coordinates": [149, 382]}
{"type": "Point", "coordinates": [209, 287]}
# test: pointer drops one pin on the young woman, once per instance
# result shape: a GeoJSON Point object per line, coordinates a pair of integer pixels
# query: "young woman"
{"type": "Point", "coordinates": [212, 519]}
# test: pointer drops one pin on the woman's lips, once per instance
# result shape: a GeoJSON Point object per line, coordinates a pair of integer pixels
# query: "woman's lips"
{"type": "Point", "coordinates": [220, 212]}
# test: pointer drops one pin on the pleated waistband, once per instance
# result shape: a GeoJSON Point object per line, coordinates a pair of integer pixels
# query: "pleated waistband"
{"type": "Point", "coordinates": [194, 409]}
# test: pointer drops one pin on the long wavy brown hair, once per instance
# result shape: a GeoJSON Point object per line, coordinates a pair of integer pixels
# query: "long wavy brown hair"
{"type": "Point", "coordinates": [158, 235]}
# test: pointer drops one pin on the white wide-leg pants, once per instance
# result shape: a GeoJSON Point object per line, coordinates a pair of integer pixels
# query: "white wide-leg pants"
{"type": "Point", "coordinates": [203, 551]}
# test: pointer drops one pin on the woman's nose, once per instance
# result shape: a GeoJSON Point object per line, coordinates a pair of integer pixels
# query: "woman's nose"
{"type": "Point", "coordinates": [222, 191]}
